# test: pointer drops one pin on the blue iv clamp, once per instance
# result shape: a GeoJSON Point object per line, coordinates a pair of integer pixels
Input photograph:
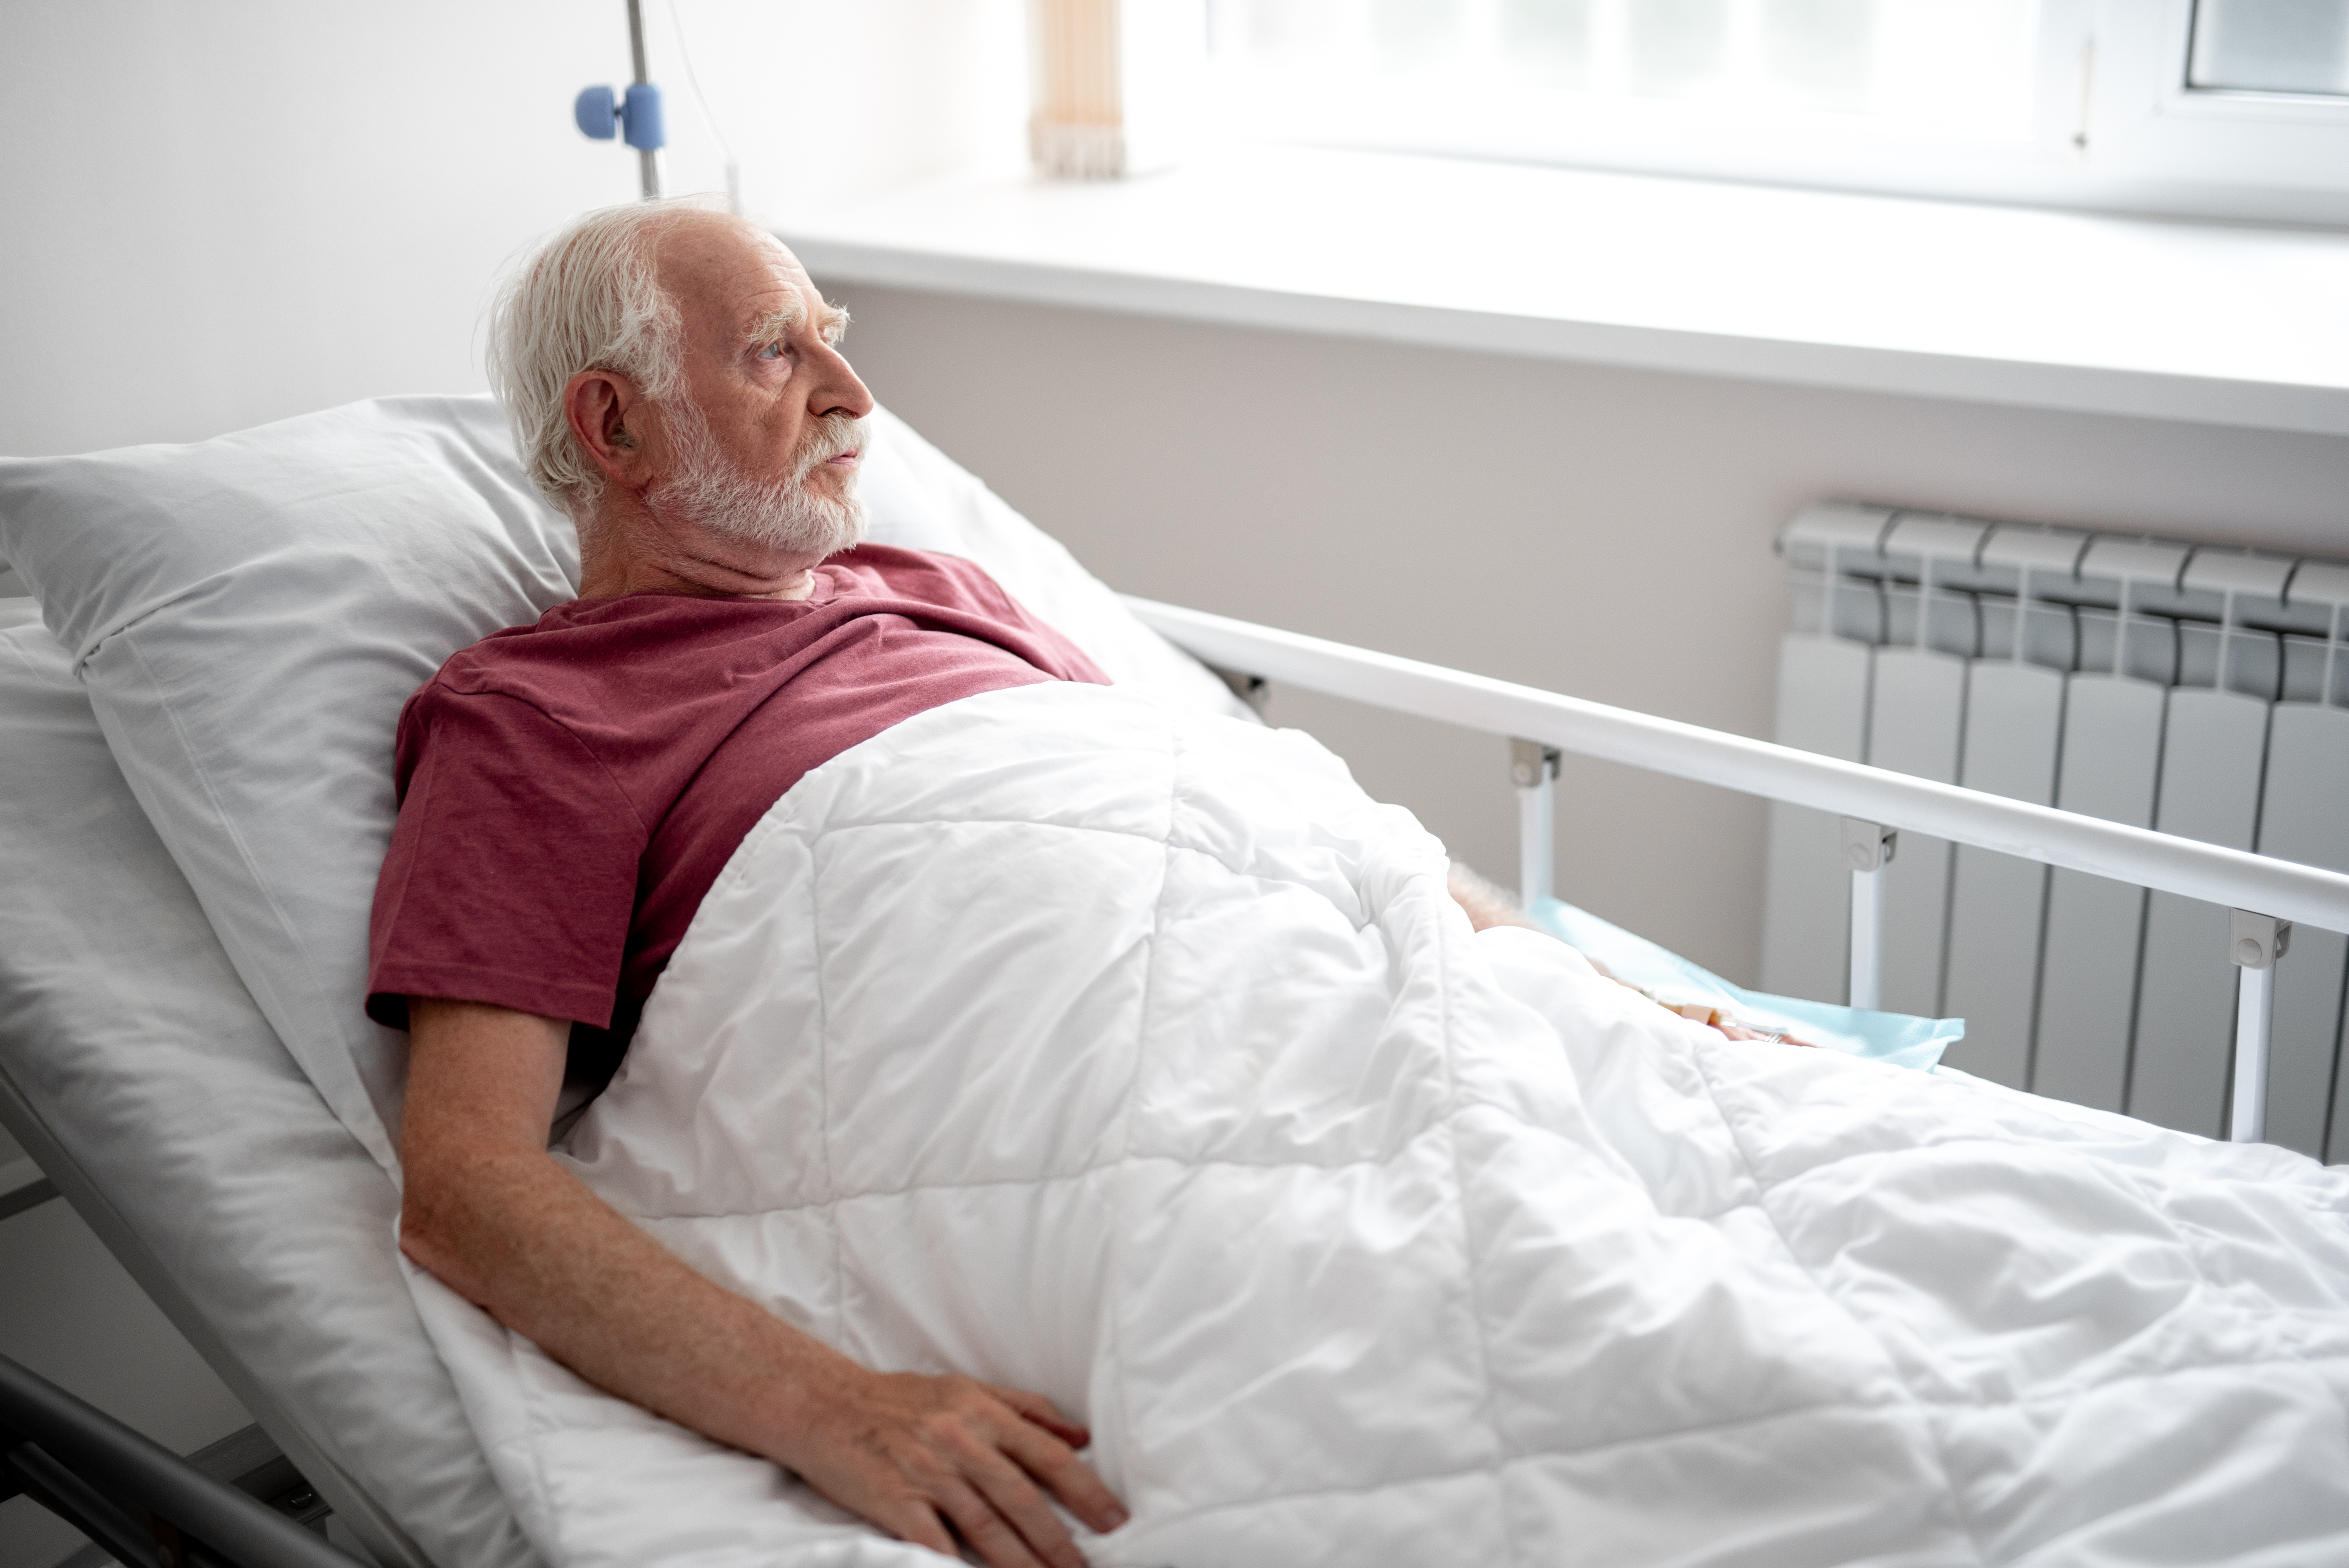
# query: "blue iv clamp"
{"type": "Point", "coordinates": [600, 113]}
{"type": "Point", "coordinates": [637, 119]}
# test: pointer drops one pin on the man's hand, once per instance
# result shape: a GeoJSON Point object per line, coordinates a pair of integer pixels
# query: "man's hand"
{"type": "Point", "coordinates": [1746, 1032]}
{"type": "Point", "coordinates": [1489, 906]}
{"type": "Point", "coordinates": [488, 1210]}
{"type": "Point", "coordinates": [919, 1456]}
{"type": "Point", "coordinates": [1706, 1013]}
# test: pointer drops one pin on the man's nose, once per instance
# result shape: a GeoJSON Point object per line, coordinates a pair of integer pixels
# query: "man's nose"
{"type": "Point", "coordinates": [840, 391]}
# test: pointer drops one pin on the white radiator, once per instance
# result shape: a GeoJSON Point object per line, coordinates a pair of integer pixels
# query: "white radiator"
{"type": "Point", "coordinates": [2191, 688]}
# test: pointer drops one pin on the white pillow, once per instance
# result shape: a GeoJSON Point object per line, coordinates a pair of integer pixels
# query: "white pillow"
{"type": "Point", "coordinates": [249, 613]}
{"type": "Point", "coordinates": [921, 498]}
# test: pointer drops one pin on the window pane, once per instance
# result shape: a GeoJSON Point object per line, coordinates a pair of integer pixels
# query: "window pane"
{"type": "Point", "coordinates": [2272, 46]}
{"type": "Point", "coordinates": [1963, 67]}
{"type": "Point", "coordinates": [1416, 35]}
{"type": "Point", "coordinates": [1549, 38]}
{"type": "Point", "coordinates": [1677, 45]}
{"type": "Point", "coordinates": [1279, 32]}
{"type": "Point", "coordinates": [1821, 51]}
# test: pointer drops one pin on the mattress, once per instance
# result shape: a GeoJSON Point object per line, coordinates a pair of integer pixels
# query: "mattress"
{"type": "Point", "coordinates": [265, 1229]}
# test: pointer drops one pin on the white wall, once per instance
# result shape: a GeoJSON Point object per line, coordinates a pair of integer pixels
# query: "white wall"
{"type": "Point", "coordinates": [1604, 533]}
{"type": "Point", "coordinates": [221, 213]}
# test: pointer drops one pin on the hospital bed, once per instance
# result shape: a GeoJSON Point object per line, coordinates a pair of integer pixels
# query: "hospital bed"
{"type": "Point", "coordinates": [163, 1053]}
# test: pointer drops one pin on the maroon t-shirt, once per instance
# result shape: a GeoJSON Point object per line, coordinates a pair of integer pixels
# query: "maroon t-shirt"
{"type": "Point", "coordinates": [569, 790]}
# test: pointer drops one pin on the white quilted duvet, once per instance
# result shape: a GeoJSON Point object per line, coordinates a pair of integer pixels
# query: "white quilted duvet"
{"type": "Point", "coordinates": [1135, 1056]}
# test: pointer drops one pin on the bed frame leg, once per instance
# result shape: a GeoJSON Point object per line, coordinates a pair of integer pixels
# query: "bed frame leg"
{"type": "Point", "coordinates": [73, 1499]}
{"type": "Point", "coordinates": [1867, 849]}
{"type": "Point", "coordinates": [1533, 768]}
{"type": "Point", "coordinates": [2254, 941]}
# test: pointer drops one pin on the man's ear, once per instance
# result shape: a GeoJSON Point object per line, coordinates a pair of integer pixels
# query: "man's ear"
{"type": "Point", "coordinates": [599, 406]}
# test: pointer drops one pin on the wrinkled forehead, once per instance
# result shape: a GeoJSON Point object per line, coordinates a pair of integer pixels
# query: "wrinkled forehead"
{"type": "Point", "coordinates": [733, 279]}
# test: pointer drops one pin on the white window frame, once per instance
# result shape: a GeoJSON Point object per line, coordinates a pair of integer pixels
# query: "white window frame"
{"type": "Point", "coordinates": [2114, 127]}
{"type": "Point", "coordinates": [2155, 142]}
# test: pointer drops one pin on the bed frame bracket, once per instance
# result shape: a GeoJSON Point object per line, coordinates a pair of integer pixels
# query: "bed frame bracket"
{"type": "Point", "coordinates": [1533, 768]}
{"type": "Point", "coordinates": [1868, 848]}
{"type": "Point", "coordinates": [2254, 942]}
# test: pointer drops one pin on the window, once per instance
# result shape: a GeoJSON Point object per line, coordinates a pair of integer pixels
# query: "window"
{"type": "Point", "coordinates": [2272, 47]}
{"type": "Point", "coordinates": [2224, 107]}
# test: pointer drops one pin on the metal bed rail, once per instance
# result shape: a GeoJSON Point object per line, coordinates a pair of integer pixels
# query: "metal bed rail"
{"type": "Point", "coordinates": [2265, 896]}
{"type": "Point", "coordinates": [137, 1499]}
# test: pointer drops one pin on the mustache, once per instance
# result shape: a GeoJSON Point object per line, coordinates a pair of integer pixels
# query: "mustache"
{"type": "Point", "coordinates": [834, 434]}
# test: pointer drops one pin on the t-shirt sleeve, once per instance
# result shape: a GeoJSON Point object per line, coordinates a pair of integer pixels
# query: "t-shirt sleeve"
{"type": "Point", "coordinates": [511, 874]}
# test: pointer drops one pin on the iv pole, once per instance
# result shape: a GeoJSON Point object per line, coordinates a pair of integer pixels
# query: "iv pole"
{"type": "Point", "coordinates": [636, 117]}
{"type": "Point", "coordinates": [648, 158]}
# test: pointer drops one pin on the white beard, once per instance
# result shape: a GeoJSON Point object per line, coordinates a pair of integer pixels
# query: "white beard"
{"type": "Point", "coordinates": [710, 491]}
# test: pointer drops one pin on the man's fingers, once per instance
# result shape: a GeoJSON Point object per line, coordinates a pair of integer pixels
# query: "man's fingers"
{"type": "Point", "coordinates": [996, 1542]}
{"type": "Point", "coordinates": [945, 1458]}
{"type": "Point", "coordinates": [1042, 1412]}
{"type": "Point", "coordinates": [1067, 1477]}
{"type": "Point", "coordinates": [1741, 1032]}
{"type": "Point", "coordinates": [1008, 1488]}
{"type": "Point", "coordinates": [916, 1521]}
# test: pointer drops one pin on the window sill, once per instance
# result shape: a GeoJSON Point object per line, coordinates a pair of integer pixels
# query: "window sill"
{"type": "Point", "coordinates": [2218, 323]}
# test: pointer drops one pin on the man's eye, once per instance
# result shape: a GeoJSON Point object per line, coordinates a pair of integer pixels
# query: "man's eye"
{"type": "Point", "coordinates": [773, 351]}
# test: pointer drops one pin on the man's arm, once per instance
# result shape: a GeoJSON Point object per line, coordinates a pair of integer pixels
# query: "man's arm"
{"type": "Point", "coordinates": [490, 1212]}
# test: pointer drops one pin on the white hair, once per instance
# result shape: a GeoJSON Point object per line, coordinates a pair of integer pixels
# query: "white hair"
{"type": "Point", "coordinates": [589, 299]}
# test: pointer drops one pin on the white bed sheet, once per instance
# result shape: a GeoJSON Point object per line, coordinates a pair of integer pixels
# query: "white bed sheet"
{"type": "Point", "coordinates": [125, 1028]}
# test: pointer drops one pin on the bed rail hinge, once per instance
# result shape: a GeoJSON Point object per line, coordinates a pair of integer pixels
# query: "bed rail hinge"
{"type": "Point", "coordinates": [1254, 690]}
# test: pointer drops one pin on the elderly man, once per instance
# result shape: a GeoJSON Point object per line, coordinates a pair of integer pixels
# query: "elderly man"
{"type": "Point", "coordinates": [570, 789]}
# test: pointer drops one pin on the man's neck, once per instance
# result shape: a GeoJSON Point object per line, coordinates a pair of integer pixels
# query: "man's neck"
{"type": "Point", "coordinates": [623, 550]}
